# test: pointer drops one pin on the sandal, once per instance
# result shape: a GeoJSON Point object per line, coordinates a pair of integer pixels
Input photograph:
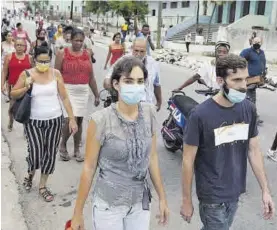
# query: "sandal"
{"type": "Point", "coordinates": [78, 156]}
{"type": "Point", "coordinates": [46, 194]}
{"type": "Point", "coordinates": [28, 182]}
{"type": "Point", "coordinates": [64, 155]}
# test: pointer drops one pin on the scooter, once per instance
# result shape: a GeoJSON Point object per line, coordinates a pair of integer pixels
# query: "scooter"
{"type": "Point", "coordinates": [179, 106]}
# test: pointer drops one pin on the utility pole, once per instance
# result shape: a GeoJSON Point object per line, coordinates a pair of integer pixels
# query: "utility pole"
{"type": "Point", "coordinates": [159, 25]}
{"type": "Point", "coordinates": [71, 11]}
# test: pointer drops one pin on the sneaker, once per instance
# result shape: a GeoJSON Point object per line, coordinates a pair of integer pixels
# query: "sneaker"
{"type": "Point", "coordinates": [272, 154]}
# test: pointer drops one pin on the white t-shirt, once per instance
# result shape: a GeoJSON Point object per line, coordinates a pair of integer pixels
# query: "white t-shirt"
{"type": "Point", "coordinates": [208, 74]}
{"type": "Point", "coordinates": [153, 78]}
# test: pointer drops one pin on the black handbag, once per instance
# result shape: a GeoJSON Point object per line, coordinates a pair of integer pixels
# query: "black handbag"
{"type": "Point", "coordinates": [21, 109]}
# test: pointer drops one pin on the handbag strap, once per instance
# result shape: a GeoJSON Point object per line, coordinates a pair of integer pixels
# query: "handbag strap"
{"type": "Point", "coordinates": [28, 75]}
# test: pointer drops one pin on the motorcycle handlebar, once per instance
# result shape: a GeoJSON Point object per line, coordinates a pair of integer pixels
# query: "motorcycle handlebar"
{"type": "Point", "coordinates": [207, 92]}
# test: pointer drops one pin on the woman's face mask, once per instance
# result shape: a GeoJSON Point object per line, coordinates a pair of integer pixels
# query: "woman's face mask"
{"type": "Point", "coordinates": [42, 66]}
{"type": "Point", "coordinates": [60, 30]}
{"type": "Point", "coordinates": [132, 94]}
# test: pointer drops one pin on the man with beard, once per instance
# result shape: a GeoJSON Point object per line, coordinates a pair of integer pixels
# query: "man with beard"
{"type": "Point", "coordinates": [153, 92]}
{"type": "Point", "coordinates": [256, 68]}
{"type": "Point", "coordinates": [206, 73]}
{"type": "Point", "coordinates": [221, 134]}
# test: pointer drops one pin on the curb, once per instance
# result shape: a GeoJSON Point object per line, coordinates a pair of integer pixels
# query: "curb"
{"type": "Point", "coordinates": [12, 213]}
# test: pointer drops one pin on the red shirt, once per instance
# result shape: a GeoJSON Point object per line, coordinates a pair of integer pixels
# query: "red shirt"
{"type": "Point", "coordinates": [16, 67]}
{"type": "Point", "coordinates": [76, 69]}
{"type": "Point", "coordinates": [116, 54]}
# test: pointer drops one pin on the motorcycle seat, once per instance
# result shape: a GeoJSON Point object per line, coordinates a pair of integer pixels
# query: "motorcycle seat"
{"type": "Point", "coordinates": [184, 103]}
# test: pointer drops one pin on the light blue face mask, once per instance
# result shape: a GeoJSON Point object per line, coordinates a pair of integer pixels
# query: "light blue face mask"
{"type": "Point", "coordinates": [132, 94]}
{"type": "Point", "coordinates": [235, 96]}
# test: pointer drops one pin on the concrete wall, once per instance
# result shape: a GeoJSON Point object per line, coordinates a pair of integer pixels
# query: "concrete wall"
{"type": "Point", "coordinates": [250, 20]}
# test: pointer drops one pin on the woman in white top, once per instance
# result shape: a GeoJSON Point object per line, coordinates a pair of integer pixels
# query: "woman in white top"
{"type": "Point", "coordinates": [7, 47]}
{"type": "Point", "coordinates": [43, 131]}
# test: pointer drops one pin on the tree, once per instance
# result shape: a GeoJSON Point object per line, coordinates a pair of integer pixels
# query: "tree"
{"type": "Point", "coordinates": [159, 25]}
{"type": "Point", "coordinates": [40, 5]}
{"type": "Point", "coordinates": [128, 9]}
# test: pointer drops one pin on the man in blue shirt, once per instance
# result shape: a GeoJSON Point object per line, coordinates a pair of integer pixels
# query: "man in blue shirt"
{"type": "Point", "coordinates": [51, 30]}
{"type": "Point", "coordinates": [256, 65]}
{"type": "Point", "coordinates": [145, 33]}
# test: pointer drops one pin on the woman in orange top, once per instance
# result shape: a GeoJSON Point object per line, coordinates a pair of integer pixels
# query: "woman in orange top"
{"type": "Point", "coordinates": [116, 50]}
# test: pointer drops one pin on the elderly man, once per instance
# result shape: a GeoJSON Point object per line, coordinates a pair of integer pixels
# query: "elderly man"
{"type": "Point", "coordinates": [256, 66]}
{"type": "Point", "coordinates": [153, 87]}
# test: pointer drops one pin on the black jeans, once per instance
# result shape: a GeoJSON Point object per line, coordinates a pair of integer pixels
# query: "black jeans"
{"type": "Point", "coordinates": [274, 144]}
{"type": "Point", "coordinates": [217, 216]}
{"type": "Point", "coordinates": [251, 95]}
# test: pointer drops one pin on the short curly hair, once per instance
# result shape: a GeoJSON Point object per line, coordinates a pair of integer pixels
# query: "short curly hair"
{"type": "Point", "coordinates": [230, 62]}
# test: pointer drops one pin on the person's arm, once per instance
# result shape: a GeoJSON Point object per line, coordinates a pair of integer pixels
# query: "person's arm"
{"type": "Point", "coordinates": [93, 85]}
{"type": "Point", "coordinates": [88, 172]}
{"type": "Point", "coordinates": [151, 42]}
{"type": "Point", "coordinates": [5, 71]}
{"type": "Point", "coordinates": [59, 60]}
{"type": "Point", "coordinates": [158, 95]}
{"type": "Point", "coordinates": [63, 95]}
{"type": "Point", "coordinates": [21, 86]}
{"type": "Point", "coordinates": [190, 81]}
{"type": "Point", "coordinates": [136, 26]}
{"type": "Point", "coordinates": [108, 56]}
{"type": "Point", "coordinates": [31, 60]}
{"type": "Point", "coordinates": [28, 38]}
{"type": "Point", "coordinates": [245, 54]}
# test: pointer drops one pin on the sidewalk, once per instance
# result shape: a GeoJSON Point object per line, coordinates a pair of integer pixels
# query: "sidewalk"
{"type": "Point", "coordinates": [12, 217]}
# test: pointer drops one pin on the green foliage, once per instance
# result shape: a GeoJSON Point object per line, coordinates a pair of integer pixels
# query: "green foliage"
{"type": "Point", "coordinates": [98, 7]}
{"type": "Point", "coordinates": [126, 9]}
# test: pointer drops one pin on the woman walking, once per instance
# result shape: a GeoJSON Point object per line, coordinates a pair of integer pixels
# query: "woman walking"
{"type": "Point", "coordinates": [116, 50]}
{"type": "Point", "coordinates": [76, 67]}
{"type": "Point", "coordinates": [43, 131]}
{"type": "Point", "coordinates": [121, 141]}
{"type": "Point", "coordinates": [14, 64]}
{"type": "Point", "coordinates": [20, 33]}
{"type": "Point", "coordinates": [7, 47]}
{"type": "Point", "coordinates": [41, 38]}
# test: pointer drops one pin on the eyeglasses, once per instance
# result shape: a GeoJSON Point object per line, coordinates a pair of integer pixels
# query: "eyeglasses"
{"type": "Point", "coordinates": [20, 45]}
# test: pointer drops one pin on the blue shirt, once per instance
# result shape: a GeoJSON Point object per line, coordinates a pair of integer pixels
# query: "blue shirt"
{"type": "Point", "coordinates": [256, 61]}
{"type": "Point", "coordinates": [222, 136]}
{"type": "Point", "coordinates": [140, 35]}
{"type": "Point", "coordinates": [51, 31]}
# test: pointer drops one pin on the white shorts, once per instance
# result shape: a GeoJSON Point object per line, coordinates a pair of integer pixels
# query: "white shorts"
{"type": "Point", "coordinates": [105, 217]}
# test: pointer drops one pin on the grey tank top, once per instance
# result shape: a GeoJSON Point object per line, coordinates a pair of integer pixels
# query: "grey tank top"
{"type": "Point", "coordinates": [124, 154]}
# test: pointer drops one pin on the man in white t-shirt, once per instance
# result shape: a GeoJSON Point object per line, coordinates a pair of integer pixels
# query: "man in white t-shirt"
{"type": "Point", "coordinates": [206, 74]}
{"type": "Point", "coordinates": [153, 92]}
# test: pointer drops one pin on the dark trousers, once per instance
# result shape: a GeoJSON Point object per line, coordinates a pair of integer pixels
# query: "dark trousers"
{"type": "Point", "coordinates": [251, 95]}
{"type": "Point", "coordinates": [274, 144]}
{"type": "Point", "coordinates": [187, 45]}
{"type": "Point", "coordinates": [217, 216]}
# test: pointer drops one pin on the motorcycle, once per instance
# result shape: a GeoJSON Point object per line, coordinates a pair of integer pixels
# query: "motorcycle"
{"type": "Point", "coordinates": [179, 106]}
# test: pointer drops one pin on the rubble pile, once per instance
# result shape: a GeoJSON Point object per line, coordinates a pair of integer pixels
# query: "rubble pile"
{"type": "Point", "coordinates": [177, 58]}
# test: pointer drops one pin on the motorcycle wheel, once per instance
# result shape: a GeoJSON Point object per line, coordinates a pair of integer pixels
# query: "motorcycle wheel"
{"type": "Point", "coordinates": [170, 145]}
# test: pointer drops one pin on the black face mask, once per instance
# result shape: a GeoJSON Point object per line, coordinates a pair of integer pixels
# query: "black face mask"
{"type": "Point", "coordinates": [41, 38]}
{"type": "Point", "coordinates": [256, 46]}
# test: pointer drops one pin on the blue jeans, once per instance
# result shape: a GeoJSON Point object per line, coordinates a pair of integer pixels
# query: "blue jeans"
{"type": "Point", "coordinates": [217, 216]}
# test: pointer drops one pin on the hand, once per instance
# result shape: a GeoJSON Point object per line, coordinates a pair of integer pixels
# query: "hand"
{"type": "Point", "coordinates": [96, 101]}
{"type": "Point", "coordinates": [77, 223]}
{"type": "Point", "coordinates": [187, 211]}
{"type": "Point", "coordinates": [158, 106]}
{"type": "Point", "coordinates": [73, 127]}
{"type": "Point", "coordinates": [268, 205]}
{"type": "Point", "coordinates": [163, 216]}
{"type": "Point", "coordinates": [28, 82]}
{"type": "Point", "coordinates": [3, 88]}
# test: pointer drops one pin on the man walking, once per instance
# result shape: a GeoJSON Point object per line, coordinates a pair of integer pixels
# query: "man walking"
{"type": "Point", "coordinates": [256, 68]}
{"type": "Point", "coordinates": [153, 92]}
{"type": "Point", "coordinates": [221, 134]}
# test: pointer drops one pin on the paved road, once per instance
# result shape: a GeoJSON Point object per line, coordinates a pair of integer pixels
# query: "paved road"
{"type": "Point", "coordinates": [52, 216]}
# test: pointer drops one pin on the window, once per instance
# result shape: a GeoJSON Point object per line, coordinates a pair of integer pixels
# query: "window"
{"type": "Point", "coordinates": [51, 7]}
{"type": "Point", "coordinates": [232, 14]}
{"type": "Point", "coordinates": [246, 8]}
{"type": "Point", "coordinates": [261, 8]}
{"type": "Point", "coordinates": [76, 8]}
{"type": "Point", "coordinates": [219, 13]}
{"type": "Point", "coordinates": [153, 12]}
{"type": "Point", "coordinates": [164, 5]}
{"type": "Point", "coordinates": [173, 5]}
{"type": "Point", "coordinates": [185, 4]}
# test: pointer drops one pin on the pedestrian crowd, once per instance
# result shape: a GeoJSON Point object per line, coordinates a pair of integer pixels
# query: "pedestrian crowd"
{"type": "Point", "coordinates": [121, 139]}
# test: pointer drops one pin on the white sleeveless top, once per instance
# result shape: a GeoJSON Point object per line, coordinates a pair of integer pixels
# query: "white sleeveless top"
{"type": "Point", "coordinates": [45, 103]}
